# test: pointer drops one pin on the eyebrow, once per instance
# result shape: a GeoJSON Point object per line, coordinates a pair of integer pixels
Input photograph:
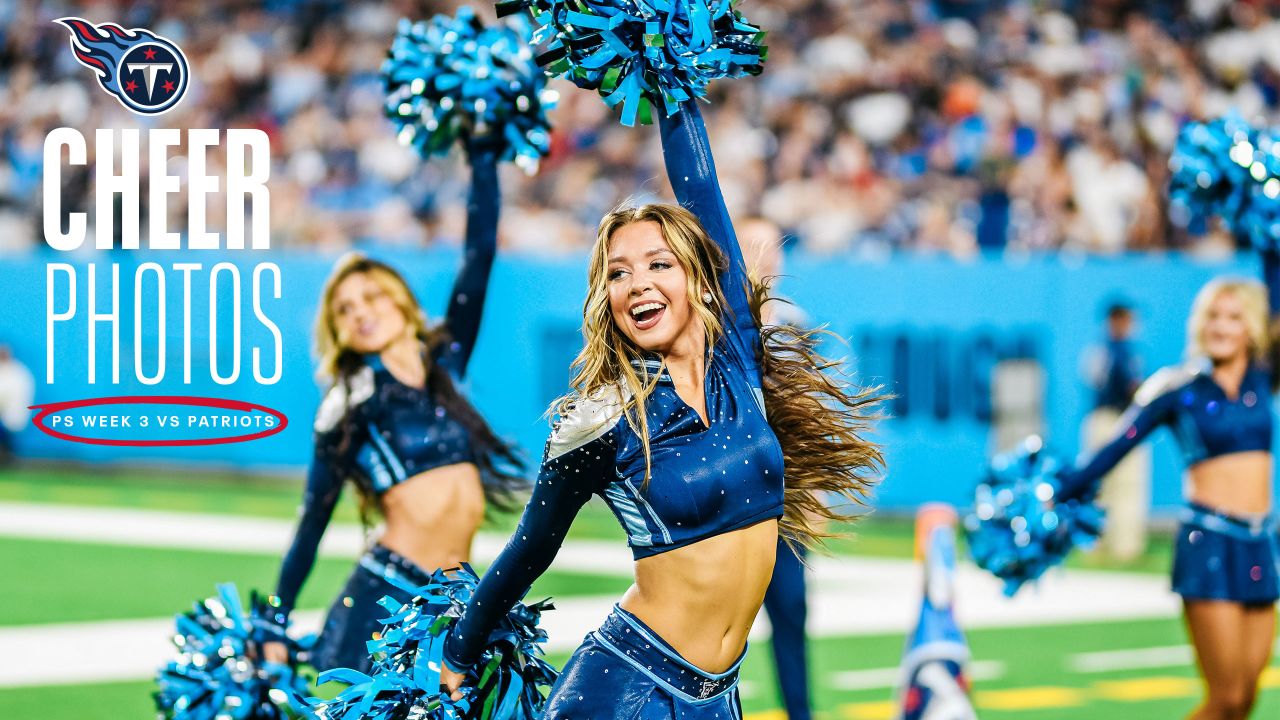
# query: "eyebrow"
{"type": "Point", "coordinates": [651, 253]}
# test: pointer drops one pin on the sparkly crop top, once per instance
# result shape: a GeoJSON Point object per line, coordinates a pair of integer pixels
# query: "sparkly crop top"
{"type": "Point", "coordinates": [705, 480]}
{"type": "Point", "coordinates": [397, 431]}
{"type": "Point", "coordinates": [1206, 423]}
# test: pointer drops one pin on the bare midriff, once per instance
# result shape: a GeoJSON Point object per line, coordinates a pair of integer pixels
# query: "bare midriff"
{"type": "Point", "coordinates": [1236, 483]}
{"type": "Point", "coordinates": [703, 598]}
{"type": "Point", "coordinates": [432, 517]}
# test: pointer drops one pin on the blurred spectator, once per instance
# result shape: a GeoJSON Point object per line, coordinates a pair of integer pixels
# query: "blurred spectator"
{"type": "Point", "coordinates": [17, 390]}
{"type": "Point", "coordinates": [878, 125]}
{"type": "Point", "coordinates": [1114, 370]}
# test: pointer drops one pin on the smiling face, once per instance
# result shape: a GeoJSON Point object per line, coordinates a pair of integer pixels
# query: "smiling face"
{"type": "Point", "coordinates": [648, 290]}
{"type": "Point", "coordinates": [1225, 335]}
{"type": "Point", "coordinates": [366, 317]}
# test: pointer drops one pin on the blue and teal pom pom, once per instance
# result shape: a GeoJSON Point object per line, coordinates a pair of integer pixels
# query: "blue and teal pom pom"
{"type": "Point", "coordinates": [1229, 170]}
{"type": "Point", "coordinates": [218, 674]}
{"type": "Point", "coordinates": [1260, 224]}
{"type": "Point", "coordinates": [639, 53]}
{"type": "Point", "coordinates": [1016, 531]}
{"type": "Point", "coordinates": [508, 683]}
{"type": "Point", "coordinates": [453, 78]}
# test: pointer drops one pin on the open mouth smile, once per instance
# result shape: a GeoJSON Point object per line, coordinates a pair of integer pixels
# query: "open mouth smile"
{"type": "Point", "coordinates": [645, 315]}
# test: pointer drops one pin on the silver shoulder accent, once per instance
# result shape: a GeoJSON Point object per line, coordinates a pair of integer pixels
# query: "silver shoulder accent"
{"type": "Point", "coordinates": [758, 395]}
{"type": "Point", "coordinates": [337, 400]}
{"type": "Point", "coordinates": [587, 419]}
{"type": "Point", "coordinates": [1165, 380]}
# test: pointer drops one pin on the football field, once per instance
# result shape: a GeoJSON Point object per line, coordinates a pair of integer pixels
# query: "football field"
{"type": "Point", "coordinates": [97, 563]}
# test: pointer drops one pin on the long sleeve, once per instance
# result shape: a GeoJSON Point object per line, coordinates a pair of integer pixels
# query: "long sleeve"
{"type": "Point", "coordinates": [466, 302]}
{"type": "Point", "coordinates": [692, 172]}
{"type": "Point", "coordinates": [324, 487]}
{"type": "Point", "coordinates": [1271, 276]}
{"type": "Point", "coordinates": [579, 459]}
{"type": "Point", "coordinates": [1153, 406]}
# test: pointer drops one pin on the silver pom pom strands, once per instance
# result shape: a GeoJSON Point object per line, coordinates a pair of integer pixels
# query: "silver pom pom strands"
{"type": "Point", "coordinates": [219, 673]}
{"type": "Point", "coordinates": [1016, 530]}
{"type": "Point", "coordinates": [452, 79]}
{"type": "Point", "coordinates": [643, 53]}
{"type": "Point", "coordinates": [509, 682]}
{"type": "Point", "coordinates": [1230, 170]}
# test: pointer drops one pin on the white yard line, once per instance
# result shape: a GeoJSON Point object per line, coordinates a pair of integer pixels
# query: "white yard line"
{"type": "Point", "coordinates": [237, 534]}
{"type": "Point", "coordinates": [73, 653]}
{"type": "Point", "coordinates": [849, 596]}
{"type": "Point", "coordinates": [1136, 659]}
{"type": "Point", "coordinates": [857, 596]}
{"type": "Point", "coordinates": [1139, 659]}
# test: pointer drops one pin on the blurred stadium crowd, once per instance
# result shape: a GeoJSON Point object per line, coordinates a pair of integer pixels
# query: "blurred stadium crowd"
{"type": "Point", "coordinates": [934, 125]}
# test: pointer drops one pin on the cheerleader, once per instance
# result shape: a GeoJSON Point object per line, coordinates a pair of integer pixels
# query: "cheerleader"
{"type": "Point", "coordinates": [1226, 555]}
{"type": "Point", "coordinates": [395, 423]}
{"type": "Point", "coordinates": [667, 423]}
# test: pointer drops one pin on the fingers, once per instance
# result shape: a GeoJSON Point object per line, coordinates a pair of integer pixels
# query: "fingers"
{"type": "Point", "coordinates": [451, 683]}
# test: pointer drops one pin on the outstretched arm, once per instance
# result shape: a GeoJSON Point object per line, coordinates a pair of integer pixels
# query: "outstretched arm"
{"type": "Point", "coordinates": [1271, 276]}
{"type": "Point", "coordinates": [573, 465]}
{"type": "Point", "coordinates": [466, 303]}
{"type": "Point", "coordinates": [324, 486]}
{"type": "Point", "coordinates": [1152, 406]}
{"type": "Point", "coordinates": [692, 172]}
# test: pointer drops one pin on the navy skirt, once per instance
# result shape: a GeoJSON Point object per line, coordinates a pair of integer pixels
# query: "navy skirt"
{"type": "Point", "coordinates": [624, 671]}
{"type": "Point", "coordinates": [1223, 557]}
{"type": "Point", "coordinates": [356, 615]}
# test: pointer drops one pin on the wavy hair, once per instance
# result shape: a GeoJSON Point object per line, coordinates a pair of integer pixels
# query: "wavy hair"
{"type": "Point", "coordinates": [820, 419]}
{"type": "Point", "coordinates": [501, 466]}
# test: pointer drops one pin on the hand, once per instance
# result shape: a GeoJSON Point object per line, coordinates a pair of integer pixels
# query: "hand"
{"type": "Point", "coordinates": [451, 682]}
{"type": "Point", "coordinates": [275, 652]}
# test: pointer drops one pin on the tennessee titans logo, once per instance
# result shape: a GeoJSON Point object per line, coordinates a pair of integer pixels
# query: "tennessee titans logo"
{"type": "Point", "coordinates": [145, 72]}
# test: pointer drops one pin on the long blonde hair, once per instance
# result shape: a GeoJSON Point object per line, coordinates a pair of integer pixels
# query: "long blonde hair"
{"type": "Point", "coordinates": [1252, 295]}
{"type": "Point", "coordinates": [819, 419]}
{"type": "Point", "coordinates": [500, 464]}
{"type": "Point", "coordinates": [332, 349]}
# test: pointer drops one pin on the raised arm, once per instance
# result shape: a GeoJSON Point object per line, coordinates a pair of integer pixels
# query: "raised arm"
{"type": "Point", "coordinates": [578, 458]}
{"type": "Point", "coordinates": [1271, 276]}
{"type": "Point", "coordinates": [692, 172]}
{"type": "Point", "coordinates": [466, 303]}
{"type": "Point", "coordinates": [1153, 405]}
{"type": "Point", "coordinates": [324, 486]}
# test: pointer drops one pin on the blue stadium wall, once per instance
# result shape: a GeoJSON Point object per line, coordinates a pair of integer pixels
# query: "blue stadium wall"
{"type": "Point", "coordinates": [928, 329]}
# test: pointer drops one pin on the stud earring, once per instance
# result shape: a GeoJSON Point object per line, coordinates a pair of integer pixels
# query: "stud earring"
{"type": "Point", "coordinates": [707, 297]}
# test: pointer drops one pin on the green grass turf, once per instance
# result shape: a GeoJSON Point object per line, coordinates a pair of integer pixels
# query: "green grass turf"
{"type": "Point", "coordinates": [246, 496]}
{"type": "Point", "coordinates": [1033, 657]}
{"type": "Point", "coordinates": [72, 582]}
{"type": "Point", "coordinates": [141, 489]}
{"type": "Point", "coordinates": [875, 536]}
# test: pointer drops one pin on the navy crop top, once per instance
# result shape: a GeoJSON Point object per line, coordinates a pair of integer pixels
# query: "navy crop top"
{"type": "Point", "coordinates": [705, 480]}
{"type": "Point", "coordinates": [399, 431]}
{"type": "Point", "coordinates": [1206, 423]}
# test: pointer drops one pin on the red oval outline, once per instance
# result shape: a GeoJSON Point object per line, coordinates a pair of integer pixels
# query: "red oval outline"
{"type": "Point", "coordinates": [49, 408]}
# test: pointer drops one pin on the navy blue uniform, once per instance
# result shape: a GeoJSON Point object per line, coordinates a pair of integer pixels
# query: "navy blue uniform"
{"type": "Point", "coordinates": [706, 480]}
{"type": "Point", "coordinates": [788, 609]}
{"type": "Point", "coordinates": [382, 432]}
{"type": "Point", "coordinates": [1217, 556]}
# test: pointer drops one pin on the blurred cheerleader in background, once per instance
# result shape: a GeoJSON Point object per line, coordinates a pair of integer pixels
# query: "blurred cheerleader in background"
{"type": "Point", "coordinates": [1226, 560]}
{"type": "Point", "coordinates": [395, 423]}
